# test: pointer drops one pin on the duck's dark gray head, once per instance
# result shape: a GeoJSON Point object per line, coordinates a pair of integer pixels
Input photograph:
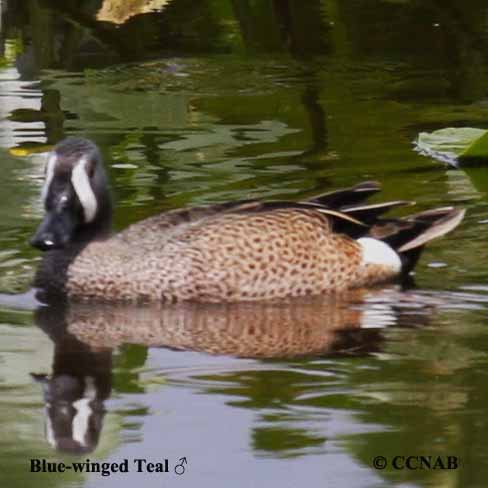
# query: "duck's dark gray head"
{"type": "Point", "coordinates": [75, 195]}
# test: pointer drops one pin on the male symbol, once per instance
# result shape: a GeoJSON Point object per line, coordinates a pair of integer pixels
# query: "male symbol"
{"type": "Point", "coordinates": [180, 468]}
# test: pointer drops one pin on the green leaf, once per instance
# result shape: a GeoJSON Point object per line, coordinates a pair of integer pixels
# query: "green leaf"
{"type": "Point", "coordinates": [453, 144]}
{"type": "Point", "coordinates": [477, 149]}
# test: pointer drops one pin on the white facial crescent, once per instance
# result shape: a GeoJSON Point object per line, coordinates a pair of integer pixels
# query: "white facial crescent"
{"type": "Point", "coordinates": [51, 164]}
{"type": "Point", "coordinates": [83, 189]}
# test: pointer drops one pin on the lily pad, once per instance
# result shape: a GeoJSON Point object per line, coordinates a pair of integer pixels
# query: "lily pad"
{"type": "Point", "coordinates": [454, 144]}
{"type": "Point", "coordinates": [477, 149]}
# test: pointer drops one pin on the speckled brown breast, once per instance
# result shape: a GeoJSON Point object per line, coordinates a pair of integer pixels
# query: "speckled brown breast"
{"type": "Point", "coordinates": [223, 257]}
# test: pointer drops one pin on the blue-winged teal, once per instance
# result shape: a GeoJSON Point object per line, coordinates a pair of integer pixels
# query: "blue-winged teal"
{"type": "Point", "coordinates": [246, 250]}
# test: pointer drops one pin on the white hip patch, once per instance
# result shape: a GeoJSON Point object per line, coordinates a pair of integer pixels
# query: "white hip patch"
{"type": "Point", "coordinates": [379, 253]}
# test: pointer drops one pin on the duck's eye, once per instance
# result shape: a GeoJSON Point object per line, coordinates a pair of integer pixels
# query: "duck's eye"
{"type": "Point", "coordinates": [90, 169]}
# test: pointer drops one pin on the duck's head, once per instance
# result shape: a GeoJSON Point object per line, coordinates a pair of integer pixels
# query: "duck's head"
{"type": "Point", "coordinates": [75, 195]}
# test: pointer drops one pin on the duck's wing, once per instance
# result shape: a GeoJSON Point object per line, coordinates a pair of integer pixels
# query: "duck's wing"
{"type": "Point", "coordinates": [346, 197]}
{"type": "Point", "coordinates": [154, 232]}
{"type": "Point", "coordinates": [170, 222]}
{"type": "Point", "coordinates": [346, 212]}
{"type": "Point", "coordinates": [166, 223]}
{"type": "Point", "coordinates": [333, 201]}
{"type": "Point", "coordinates": [352, 201]}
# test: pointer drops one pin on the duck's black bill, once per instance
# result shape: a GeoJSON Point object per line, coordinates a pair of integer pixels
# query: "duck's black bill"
{"type": "Point", "coordinates": [54, 232]}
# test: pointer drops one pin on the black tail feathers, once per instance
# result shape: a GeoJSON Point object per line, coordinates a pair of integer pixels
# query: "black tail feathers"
{"type": "Point", "coordinates": [409, 235]}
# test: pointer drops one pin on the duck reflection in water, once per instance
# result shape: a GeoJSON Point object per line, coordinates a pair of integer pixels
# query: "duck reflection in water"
{"type": "Point", "coordinates": [85, 336]}
{"type": "Point", "coordinates": [74, 393]}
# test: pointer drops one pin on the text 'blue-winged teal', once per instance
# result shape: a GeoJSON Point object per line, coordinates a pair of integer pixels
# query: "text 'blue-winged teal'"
{"type": "Point", "coordinates": [227, 252]}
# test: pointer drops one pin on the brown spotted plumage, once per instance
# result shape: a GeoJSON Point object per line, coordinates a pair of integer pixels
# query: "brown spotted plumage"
{"type": "Point", "coordinates": [227, 257]}
{"type": "Point", "coordinates": [242, 251]}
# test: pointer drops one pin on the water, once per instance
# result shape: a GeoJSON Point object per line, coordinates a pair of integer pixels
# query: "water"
{"type": "Point", "coordinates": [197, 102]}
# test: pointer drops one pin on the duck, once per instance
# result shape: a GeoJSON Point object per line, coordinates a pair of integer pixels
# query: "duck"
{"type": "Point", "coordinates": [247, 250]}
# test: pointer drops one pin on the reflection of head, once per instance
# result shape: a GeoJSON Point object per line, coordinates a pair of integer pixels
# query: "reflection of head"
{"type": "Point", "coordinates": [74, 393]}
{"type": "Point", "coordinates": [74, 415]}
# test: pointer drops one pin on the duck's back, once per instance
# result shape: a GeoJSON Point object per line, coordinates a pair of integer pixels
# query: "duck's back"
{"type": "Point", "coordinates": [227, 256]}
